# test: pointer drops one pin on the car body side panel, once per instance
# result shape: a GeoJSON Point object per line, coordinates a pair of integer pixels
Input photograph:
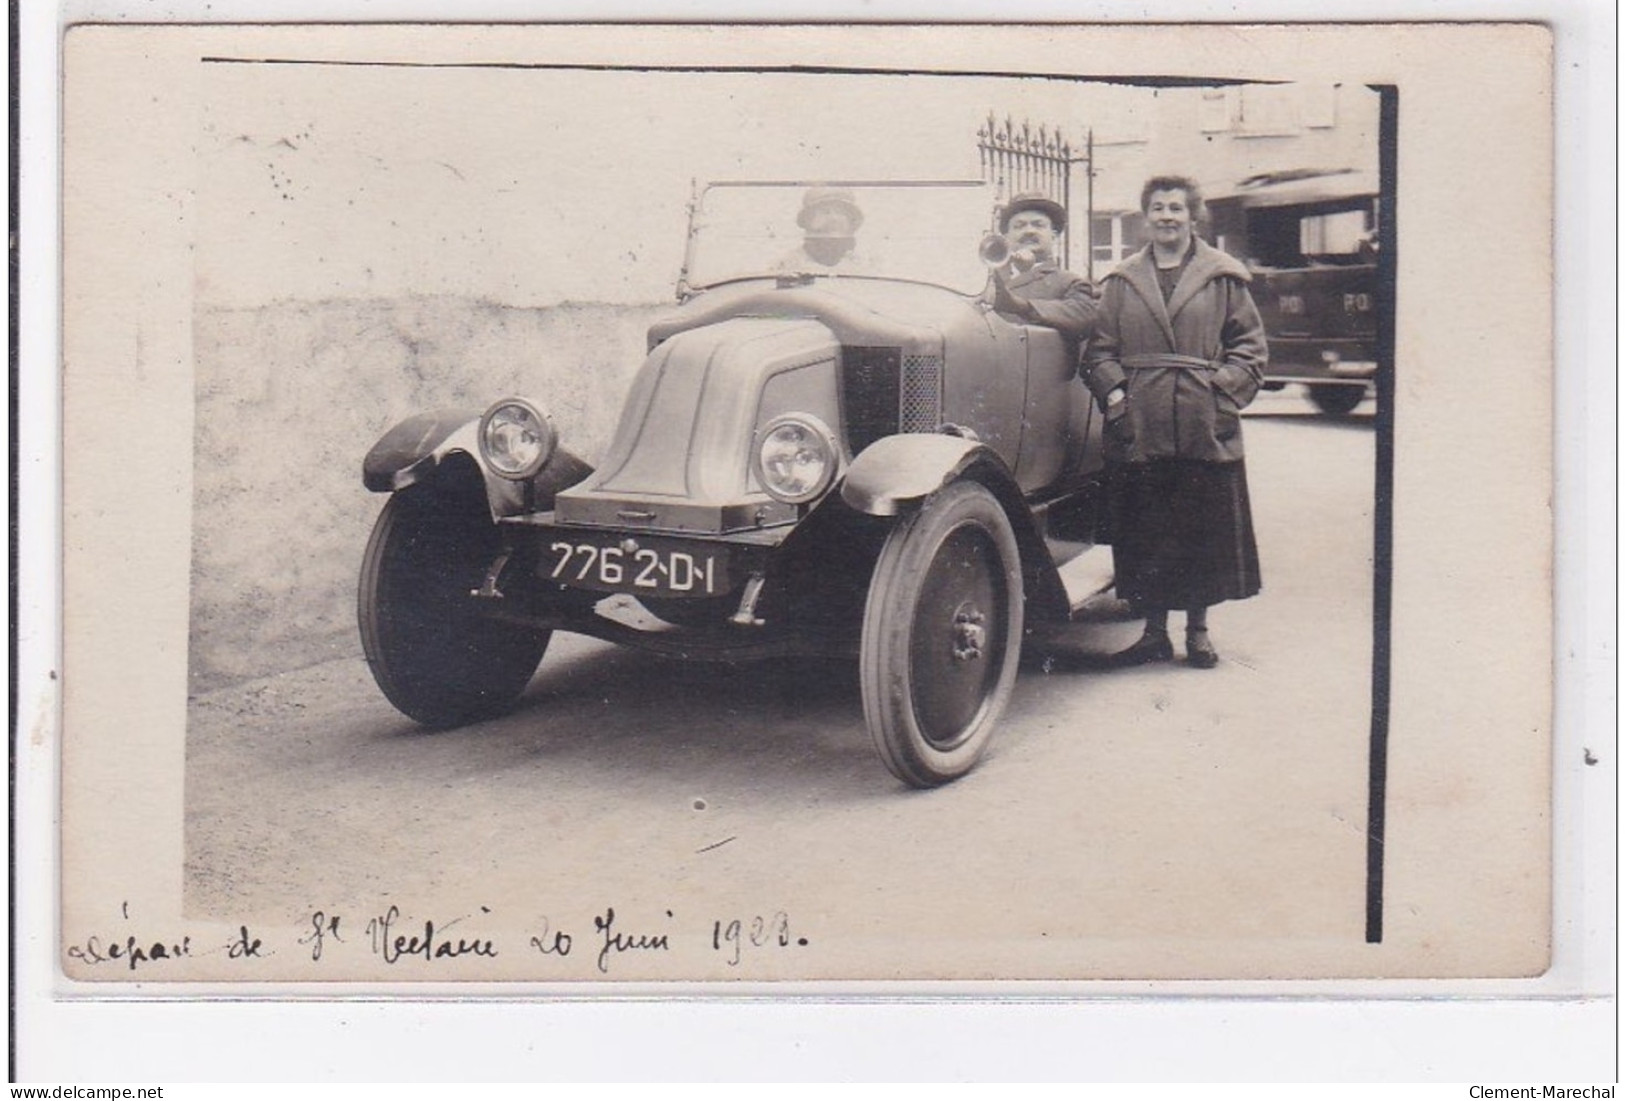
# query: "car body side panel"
{"type": "Point", "coordinates": [985, 379]}
{"type": "Point", "coordinates": [1085, 449]}
{"type": "Point", "coordinates": [1053, 397]}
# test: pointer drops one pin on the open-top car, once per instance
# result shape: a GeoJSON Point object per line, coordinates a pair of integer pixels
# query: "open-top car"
{"type": "Point", "coordinates": [856, 457]}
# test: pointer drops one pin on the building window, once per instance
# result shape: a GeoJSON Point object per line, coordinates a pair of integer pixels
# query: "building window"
{"type": "Point", "coordinates": [1114, 236]}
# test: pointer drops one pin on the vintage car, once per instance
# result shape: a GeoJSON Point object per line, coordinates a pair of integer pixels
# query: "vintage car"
{"type": "Point", "coordinates": [859, 459]}
{"type": "Point", "coordinates": [1310, 238]}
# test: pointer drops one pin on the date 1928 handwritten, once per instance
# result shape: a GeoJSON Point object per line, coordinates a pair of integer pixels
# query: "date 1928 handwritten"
{"type": "Point", "coordinates": [734, 937]}
{"type": "Point", "coordinates": [393, 938]}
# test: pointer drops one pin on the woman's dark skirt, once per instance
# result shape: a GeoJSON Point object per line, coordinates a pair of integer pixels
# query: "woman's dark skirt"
{"type": "Point", "coordinates": [1181, 533]}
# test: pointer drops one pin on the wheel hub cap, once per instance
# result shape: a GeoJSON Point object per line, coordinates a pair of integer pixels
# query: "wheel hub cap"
{"type": "Point", "coordinates": [970, 634]}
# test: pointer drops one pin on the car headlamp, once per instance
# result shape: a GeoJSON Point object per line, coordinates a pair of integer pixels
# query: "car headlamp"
{"type": "Point", "coordinates": [797, 458]}
{"type": "Point", "coordinates": [516, 439]}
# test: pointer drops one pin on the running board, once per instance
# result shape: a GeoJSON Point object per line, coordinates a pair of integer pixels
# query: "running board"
{"type": "Point", "coordinates": [1087, 575]}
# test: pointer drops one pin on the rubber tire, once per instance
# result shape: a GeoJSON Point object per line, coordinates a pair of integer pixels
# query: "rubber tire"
{"type": "Point", "coordinates": [932, 715]}
{"type": "Point", "coordinates": [436, 657]}
{"type": "Point", "coordinates": [1336, 401]}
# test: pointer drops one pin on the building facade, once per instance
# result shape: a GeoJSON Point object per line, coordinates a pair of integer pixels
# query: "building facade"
{"type": "Point", "coordinates": [1220, 136]}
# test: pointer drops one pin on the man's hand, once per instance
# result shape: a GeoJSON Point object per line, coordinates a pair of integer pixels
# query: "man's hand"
{"type": "Point", "coordinates": [1006, 302]}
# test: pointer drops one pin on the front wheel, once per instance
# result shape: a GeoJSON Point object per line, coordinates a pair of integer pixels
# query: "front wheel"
{"type": "Point", "coordinates": [941, 635]}
{"type": "Point", "coordinates": [435, 654]}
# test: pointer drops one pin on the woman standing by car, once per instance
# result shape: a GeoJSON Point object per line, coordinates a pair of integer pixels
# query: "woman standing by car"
{"type": "Point", "coordinates": [1179, 352]}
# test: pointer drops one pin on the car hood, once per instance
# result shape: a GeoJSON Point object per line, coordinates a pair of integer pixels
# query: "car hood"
{"type": "Point", "coordinates": [680, 460]}
{"type": "Point", "coordinates": [725, 363]}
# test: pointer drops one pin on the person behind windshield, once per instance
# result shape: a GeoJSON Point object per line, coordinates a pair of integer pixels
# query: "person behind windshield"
{"type": "Point", "coordinates": [829, 220]}
{"type": "Point", "coordinates": [1030, 286]}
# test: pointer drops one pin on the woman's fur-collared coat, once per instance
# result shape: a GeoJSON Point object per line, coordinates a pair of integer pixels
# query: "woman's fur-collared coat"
{"type": "Point", "coordinates": [1189, 366]}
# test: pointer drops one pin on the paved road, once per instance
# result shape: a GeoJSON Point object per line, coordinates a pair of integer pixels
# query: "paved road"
{"type": "Point", "coordinates": [1160, 814]}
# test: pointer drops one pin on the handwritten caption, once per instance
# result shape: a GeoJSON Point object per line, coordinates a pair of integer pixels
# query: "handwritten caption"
{"type": "Point", "coordinates": [589, 947]}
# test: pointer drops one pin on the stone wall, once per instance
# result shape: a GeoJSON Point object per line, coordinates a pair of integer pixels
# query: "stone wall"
{"type": "Point", "coordinates": [289, 398]}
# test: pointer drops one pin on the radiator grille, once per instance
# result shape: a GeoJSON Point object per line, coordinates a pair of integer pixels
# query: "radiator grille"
{"type": "Point", "coordinates": [921, 399]}
{"type": "Point", "coordinates": [884, 392]}
{"type": "Point", "coordinates": [869, 386]}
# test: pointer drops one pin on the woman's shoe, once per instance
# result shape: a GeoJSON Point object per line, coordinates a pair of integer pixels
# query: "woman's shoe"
{"type": "Point", "coordinates": [1149, 647]}
{"type": "Point", "coordinates": [1199, 651]}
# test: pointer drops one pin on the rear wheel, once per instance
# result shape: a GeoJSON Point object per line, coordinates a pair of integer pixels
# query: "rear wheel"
{"type": "Point", "coordinates": [433, 651]}
{"type": "Point", "coordinates": [1336, 400]}
{"type": "Point", "coordinates": [941, 635]}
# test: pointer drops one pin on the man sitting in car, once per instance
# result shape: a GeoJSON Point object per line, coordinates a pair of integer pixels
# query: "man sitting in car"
{"type": "Point", "coordinates": [1030, 286]}
{"type": "Point", "coordinates": [830, 219]}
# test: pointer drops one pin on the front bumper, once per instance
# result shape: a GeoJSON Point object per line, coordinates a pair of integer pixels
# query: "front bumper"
{"type": "Point", "coordinates": [749, 594]}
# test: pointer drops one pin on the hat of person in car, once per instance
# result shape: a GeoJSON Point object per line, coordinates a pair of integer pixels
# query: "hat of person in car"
{"type": "Point", "coordinates": [1033, 200]}
{"type": "Point", "coordinates": [839, 198]}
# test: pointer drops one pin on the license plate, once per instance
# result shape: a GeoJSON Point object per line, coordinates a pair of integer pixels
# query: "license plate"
{"type": "Point", "coordinates": [633, 567]}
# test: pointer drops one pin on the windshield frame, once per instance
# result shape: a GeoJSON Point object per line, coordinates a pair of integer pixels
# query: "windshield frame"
{"type": "Point", "coordinates": [687, 287]}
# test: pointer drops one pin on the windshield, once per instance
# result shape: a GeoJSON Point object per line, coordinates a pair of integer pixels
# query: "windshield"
{"type": "Point", "coordinates": [922, 231]}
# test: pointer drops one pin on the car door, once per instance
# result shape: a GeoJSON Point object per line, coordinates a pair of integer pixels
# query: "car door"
{"type": "Point", "coordinates": [1055, 410]}
{"type": "Point", "coordinates": [985, 380]}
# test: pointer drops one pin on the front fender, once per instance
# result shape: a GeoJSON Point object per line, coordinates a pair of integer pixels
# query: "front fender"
{"type": "Point", "coordinates": [415, 448]}
{"type": "Point", "coordinates": [896, 471]}
{"type": "Point", "coordinates": [899, 472]}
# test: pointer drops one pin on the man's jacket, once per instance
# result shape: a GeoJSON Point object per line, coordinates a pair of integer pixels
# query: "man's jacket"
{"type": "Point", "coordinates": [1047, 295]}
